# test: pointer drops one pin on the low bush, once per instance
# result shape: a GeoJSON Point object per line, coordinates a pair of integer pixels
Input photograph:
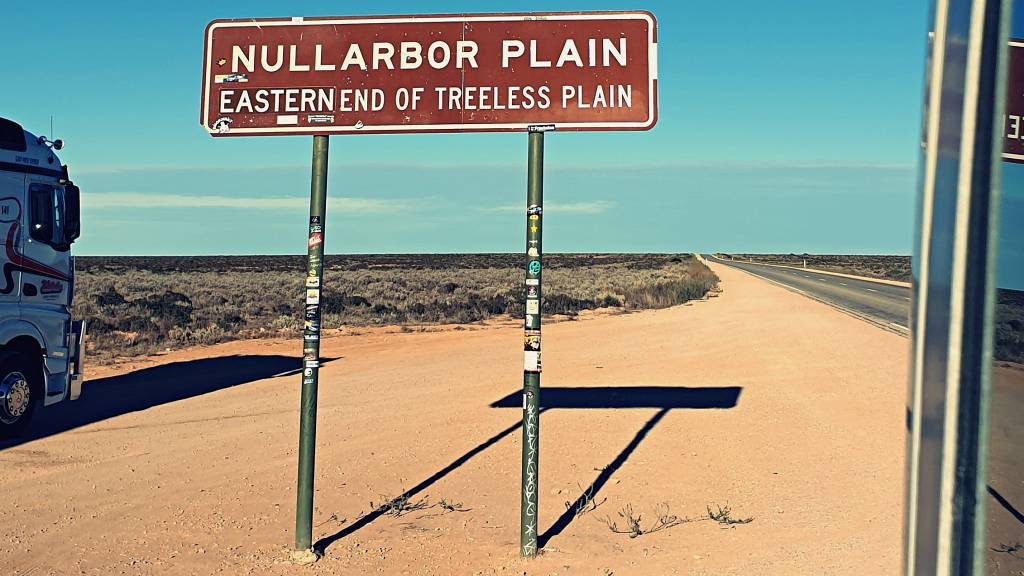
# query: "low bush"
{"type": "Point", "coordinates": [140, 305]}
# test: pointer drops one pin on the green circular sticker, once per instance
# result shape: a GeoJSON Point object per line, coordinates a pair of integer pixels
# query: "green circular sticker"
{"type": "Point", "coordinates": [534, 267]}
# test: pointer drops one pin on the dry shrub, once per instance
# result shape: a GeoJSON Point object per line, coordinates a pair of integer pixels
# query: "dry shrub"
{"type": "Point", "coordinates": [171, 302]}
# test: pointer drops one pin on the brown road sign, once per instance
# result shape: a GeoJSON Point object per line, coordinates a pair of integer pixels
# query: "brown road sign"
{"type": "Point", "coordinates": [1013, 118]}
{"type": "Point", "coordinates": [455, 73]}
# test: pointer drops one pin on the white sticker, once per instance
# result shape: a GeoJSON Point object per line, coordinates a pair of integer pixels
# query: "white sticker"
{"type": "Point", "coordinates": [531, 361]}
{"type": "Point", "coordinates": [312, 296]}
{"type": "Point", "coordinates": [532, 252]}
{"type": "Point", "coordinates": [529, 319]}
{"type": "Point", "coordinates": [312, 363]}
{"type": "Point", "coordinates": [533, 281]}
{"type": "Point", "coordinates": [533, 306]}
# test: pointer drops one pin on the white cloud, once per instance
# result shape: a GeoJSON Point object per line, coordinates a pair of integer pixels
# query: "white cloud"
{"type": "Point", "coordinates": [594, 207]}
{"type": "Point", "coordinates": [566, 166]}
{"type": "Point", "coordinates": [114, 200]}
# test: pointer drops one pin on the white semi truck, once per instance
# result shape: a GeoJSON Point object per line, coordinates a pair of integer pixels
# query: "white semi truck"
{"type": "Point", "coordinates": [41, 346]}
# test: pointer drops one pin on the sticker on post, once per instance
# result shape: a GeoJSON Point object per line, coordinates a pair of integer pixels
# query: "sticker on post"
{"type": "Point", "coordinates": [316, 239]}
{"type": "Point", "coordinates": [532, 282]}
{"type": "Point", "coordinates": [531, 361]}
{"type": "Point", "coordinates": [532, 341]}
{"type": "Point", "coordinates": [534, 306]}
{"type": "Point", "coordinates": [312, 282]}
{"type": "Point", "coordinates": [312, 363]}
{"type": "Point", "coordinates": [534, 267]}
{"type": "Point", "coordinates": [313, 296]}
{"type": "Point", "coordinates": [534, 210]}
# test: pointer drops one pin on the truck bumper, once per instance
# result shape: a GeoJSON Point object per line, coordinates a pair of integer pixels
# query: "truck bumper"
{"type": "Point", "coordinates": [77, 348]}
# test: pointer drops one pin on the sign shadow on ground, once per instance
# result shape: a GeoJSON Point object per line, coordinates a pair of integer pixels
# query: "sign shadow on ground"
{"type": "Point", "coordinates": [662, 398]}
{"type": "Point", "coordinates": [142, 389]}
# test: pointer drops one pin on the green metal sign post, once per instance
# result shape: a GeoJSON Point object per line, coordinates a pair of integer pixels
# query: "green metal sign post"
{"type": "Point", "coordinates": [532, 366]}
{"type": "Point", "coordinates": [303, 552]}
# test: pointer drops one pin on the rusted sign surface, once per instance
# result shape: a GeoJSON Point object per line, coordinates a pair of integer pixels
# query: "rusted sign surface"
{"type": "Point", "coordinates": [457, 73]}
{"type": "Point", "coordinates": [1013, 119]}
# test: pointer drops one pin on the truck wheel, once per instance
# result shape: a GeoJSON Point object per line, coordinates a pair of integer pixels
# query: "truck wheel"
{"type": "Point", "coordinates": [18, 394]}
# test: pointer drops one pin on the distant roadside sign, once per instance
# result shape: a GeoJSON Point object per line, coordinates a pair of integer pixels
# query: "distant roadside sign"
{"type": "Point", "coordinates": [456, 73]}
{"type": "Point", "coordinates": [1013, 117]}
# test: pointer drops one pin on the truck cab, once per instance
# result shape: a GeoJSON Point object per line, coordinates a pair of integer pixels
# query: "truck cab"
{"type": "Point", "coordinates": [41, 345]}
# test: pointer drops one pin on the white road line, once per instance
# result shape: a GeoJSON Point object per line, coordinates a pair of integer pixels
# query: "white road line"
{"type": "Point", "coordinates": [905, 298]}
{"type": "Point", "coordinates": [871, 290]}
{"type": "Point", "coordinates": [844, 284]}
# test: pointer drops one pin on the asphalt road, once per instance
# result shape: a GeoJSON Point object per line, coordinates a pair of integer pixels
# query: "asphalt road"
{"type": "Point", "coordinates": [883, 304]}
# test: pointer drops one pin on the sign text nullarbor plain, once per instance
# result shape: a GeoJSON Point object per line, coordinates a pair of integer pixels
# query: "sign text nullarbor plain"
{"type": "Point", "coordinates": [477, 72]}
{"type": "Point", "coordinates": [413, 56]}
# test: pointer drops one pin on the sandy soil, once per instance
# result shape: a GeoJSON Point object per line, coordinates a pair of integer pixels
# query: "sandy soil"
{"type": "Point", "coordinates": [188, 466]}
{"type": "Point", "coordinates": [1005, 513]}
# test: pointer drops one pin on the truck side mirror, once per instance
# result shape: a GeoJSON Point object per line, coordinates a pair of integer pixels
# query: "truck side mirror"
{"type": "Point", "coordinates": [72, 213]}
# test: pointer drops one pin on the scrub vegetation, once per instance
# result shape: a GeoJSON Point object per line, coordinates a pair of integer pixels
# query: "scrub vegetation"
{"type": "Point", "coordinates": [141, 305]}
{"type": "Point", "coordinates": [632, 523]}
{"type": "Point", "coordinates": [1010, 327]}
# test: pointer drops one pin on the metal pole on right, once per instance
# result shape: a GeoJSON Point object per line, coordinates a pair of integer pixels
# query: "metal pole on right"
{"type": "Point", "coordinates": [531, 367]}
{"type": "Point", "coordinates": [954, 290]}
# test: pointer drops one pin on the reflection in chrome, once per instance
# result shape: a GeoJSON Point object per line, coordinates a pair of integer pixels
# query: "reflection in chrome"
{"type": "Point", "coordinates": [15, 397]}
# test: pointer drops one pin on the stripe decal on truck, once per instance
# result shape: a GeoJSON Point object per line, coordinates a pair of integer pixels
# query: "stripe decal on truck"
{"type": "Point", "coordinates": [21, 263]}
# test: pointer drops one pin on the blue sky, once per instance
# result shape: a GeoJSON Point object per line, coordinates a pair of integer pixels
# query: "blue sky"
{"type": "Point", "coordinates": [784, 127]}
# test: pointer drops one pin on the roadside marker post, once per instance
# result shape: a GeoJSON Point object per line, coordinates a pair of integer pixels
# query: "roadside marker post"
{"type": "Point", "coordinates": [532, 341]}
{"type": "Point", "coordinates": [448, 73]}
{"type": "Point", "coordinates": [303, 552]}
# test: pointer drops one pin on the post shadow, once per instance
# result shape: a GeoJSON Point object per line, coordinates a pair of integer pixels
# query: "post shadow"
{"type": "Point", "coordinates": [321, 545]}
{"type": "Point", "coordinates": [1005, 503]}
{"type": "Point", "coordinates": [663, 398]}
{"type": "Point", "coordinates": [606, 473]}
{"type": "Point", "coordinates": [105, 398]}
